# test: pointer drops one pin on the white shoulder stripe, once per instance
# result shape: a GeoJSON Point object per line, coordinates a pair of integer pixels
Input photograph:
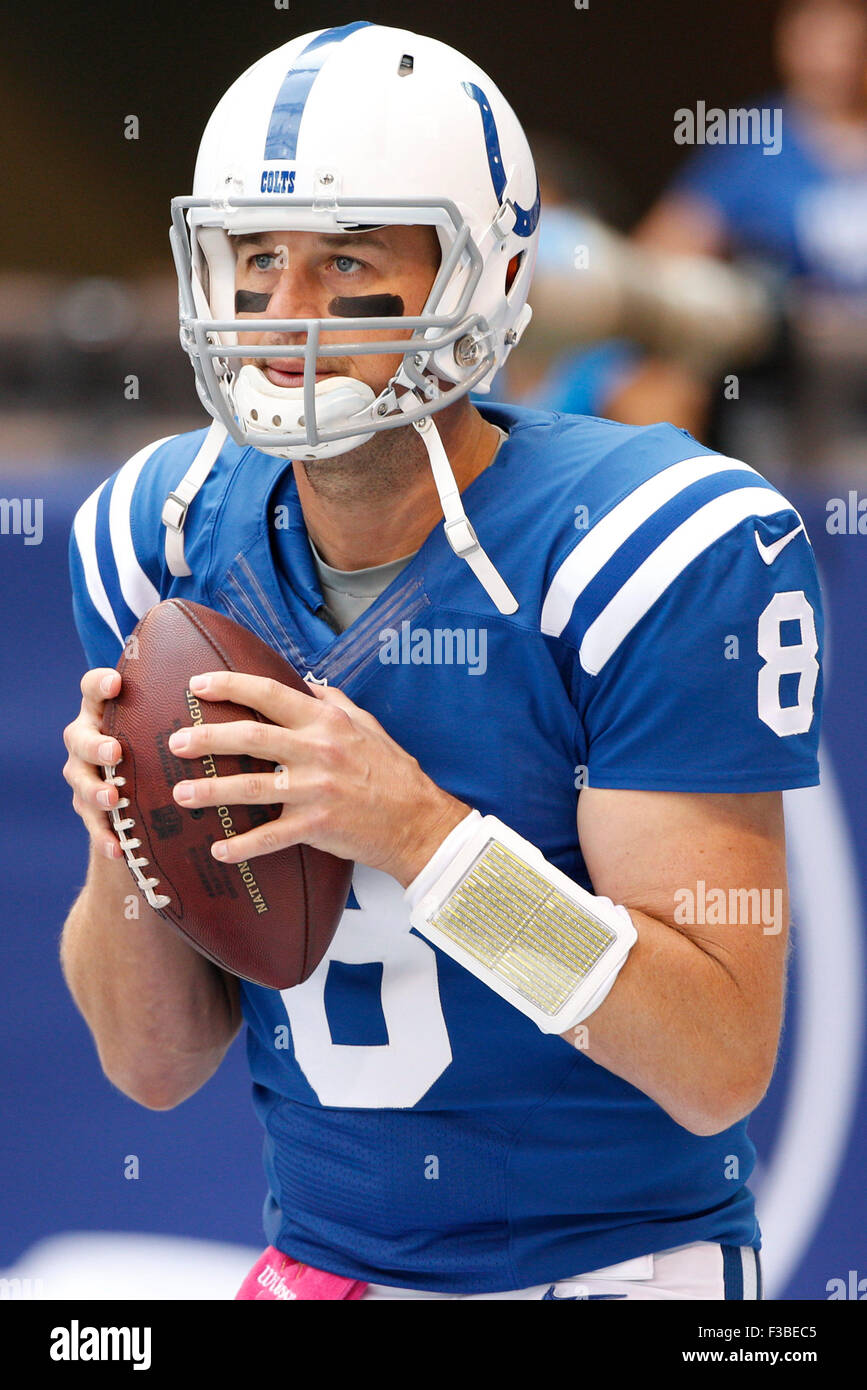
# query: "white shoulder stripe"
{"type": "Point", "coordinates": [662, 566]}
{"type": "Point", "coordinates": [595, 550]}
{"type": "Point", "coordinates": [138, 592]}
{"type": "Point", "coordinates": [84, 530]}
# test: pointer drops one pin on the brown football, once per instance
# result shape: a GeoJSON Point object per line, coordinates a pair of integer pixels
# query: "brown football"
{"type": "Point", "coordinates": [269, 920]}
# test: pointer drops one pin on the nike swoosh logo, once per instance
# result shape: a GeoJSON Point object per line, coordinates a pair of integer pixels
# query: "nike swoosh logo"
{"type": "Point", "coordinates": [769, 553]}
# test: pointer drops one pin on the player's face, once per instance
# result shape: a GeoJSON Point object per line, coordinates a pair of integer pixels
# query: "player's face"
{"type": "Point", "coordinates": [292, 275]}
{"type": "Point", "coordinates": [822, 52]}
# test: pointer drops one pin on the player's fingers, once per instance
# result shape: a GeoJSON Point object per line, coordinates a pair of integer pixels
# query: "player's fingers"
{"type": "Point", "coordinates": [279, 703]}
{"type": "Point", "coordinates": [246, 789]}
{"type": "Point", "coordinates": [88, 786]}
{"type": "Point", "coordinates": [255, 788]}
{"type": "Point", "coordinates": [265, 839]}
{"type": "Point", "coordinates": [100, 684]}
{"type": "Point", "coordinates": [333, 699]}
{"type": "Point", "coordinates": [90, 745]}
{"type": "Point", "coordinates": [95, 822]}
{"type": "Point", "coordinates": [95, 825]}
{"type": "Point", "coordinates": [244, 736]}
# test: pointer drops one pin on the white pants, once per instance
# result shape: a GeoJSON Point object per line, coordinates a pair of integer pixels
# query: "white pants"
{"type": "Point", "coordinates": [704, 1270]}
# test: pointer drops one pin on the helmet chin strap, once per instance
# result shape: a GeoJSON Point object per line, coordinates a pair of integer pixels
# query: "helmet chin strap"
{"type": "Point", "coordinates": [459, 530]}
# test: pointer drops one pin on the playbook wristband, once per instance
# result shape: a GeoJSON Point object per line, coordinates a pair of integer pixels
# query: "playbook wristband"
{"type": "Point", "coordinates": [489, 899]}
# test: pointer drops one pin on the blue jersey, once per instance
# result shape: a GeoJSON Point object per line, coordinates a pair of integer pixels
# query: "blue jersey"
{"type": "Point", "coordinates": [419, 1130]}
{"type": "Point", "coordinates": [796, 209]}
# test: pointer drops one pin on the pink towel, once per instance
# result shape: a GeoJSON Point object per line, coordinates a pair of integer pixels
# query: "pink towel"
{"type": "Point", "coordinates": [278, 1276]}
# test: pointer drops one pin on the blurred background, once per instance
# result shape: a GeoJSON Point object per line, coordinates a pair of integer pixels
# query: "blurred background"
{"type": "Point", "coordinates": [703, 259]}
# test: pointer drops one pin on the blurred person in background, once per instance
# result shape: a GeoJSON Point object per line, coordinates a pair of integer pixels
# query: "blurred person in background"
{"type": "Point", "coordinates": [801, 215]}
{"type": "Point", "coordinates": [619, 329]}
{"type": "Point", "coordinates": [804, 209]}
{"type": "Point", "coordinates": [795, 224]}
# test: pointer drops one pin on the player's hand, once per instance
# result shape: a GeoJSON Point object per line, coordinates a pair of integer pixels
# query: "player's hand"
{"type": "Point", "coordinates": [89, 749]}
{"type": "Point", "coordinates": [345, 785]}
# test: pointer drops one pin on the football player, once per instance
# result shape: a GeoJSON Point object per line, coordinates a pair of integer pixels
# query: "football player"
{"type": "Point", "coordinates": [564, 669]}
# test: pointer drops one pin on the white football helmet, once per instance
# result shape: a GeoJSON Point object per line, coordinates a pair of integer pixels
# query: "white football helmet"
{"type": "Point", "coordinates": [361, 126]}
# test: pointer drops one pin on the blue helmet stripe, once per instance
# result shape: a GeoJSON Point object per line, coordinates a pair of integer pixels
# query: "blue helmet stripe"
{"type": "Point", "coordinates": [527, 217]}
{"type": "Point", "coordinates": [281, 141]}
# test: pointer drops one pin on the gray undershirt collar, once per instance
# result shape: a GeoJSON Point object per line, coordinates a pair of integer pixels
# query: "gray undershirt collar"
{"type": "Point", "coordinates": [349, 593]}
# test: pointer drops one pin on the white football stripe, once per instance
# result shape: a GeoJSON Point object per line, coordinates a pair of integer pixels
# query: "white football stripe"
{"type": "Point", "coordinates": [662, 566]}
{"type": "Point", "coordinates": [84, 530]}
{"type": "Point", "coordinates": [595, 550]}
{"type": "Point", "coordinates": [138, 591]}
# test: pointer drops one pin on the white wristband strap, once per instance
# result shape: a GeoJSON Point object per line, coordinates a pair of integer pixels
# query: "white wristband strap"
{"type": "Point", "coordinates": [441, 858]}
{"type": "Point", "coordinates": [490, 900]}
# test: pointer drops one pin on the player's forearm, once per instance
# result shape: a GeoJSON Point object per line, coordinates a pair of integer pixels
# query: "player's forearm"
{"type": "Point", "coordinates": [678, 1026]}
{"type": "Point", "coordinates": [160, 1013]}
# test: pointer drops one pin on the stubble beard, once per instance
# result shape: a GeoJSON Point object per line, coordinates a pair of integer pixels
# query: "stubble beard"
{"type": "Point", "coordinates": [378, 470]}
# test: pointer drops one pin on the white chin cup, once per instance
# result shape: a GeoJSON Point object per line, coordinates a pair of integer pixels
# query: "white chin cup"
{"type": "Point", "coordinates": [263, 408]}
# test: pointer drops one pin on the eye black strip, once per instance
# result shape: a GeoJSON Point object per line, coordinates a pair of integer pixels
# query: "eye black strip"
{"type": "Point", "coordinates": [343, 307]}
{"type": "Point", "coordinates": [250, 302]}
{"type": "Point", "coordinates": [372, 306]}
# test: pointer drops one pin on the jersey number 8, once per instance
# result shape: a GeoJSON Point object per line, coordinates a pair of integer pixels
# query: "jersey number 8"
{"type": "Point", "coordinates": [795, 659]}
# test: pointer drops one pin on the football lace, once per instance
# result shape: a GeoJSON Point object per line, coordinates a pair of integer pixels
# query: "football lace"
{"type": "Point", "coordinates": [129, 846]}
